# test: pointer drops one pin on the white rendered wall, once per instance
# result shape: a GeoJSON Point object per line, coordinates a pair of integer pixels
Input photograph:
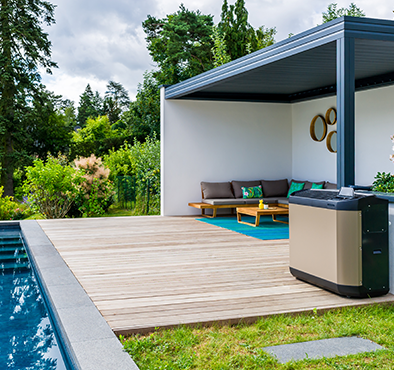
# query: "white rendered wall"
{"type": "Point", "coordinates": [374, 127]}
{"type": "Point", "coordinates": [311, 159]}
{"type": "Point", "coordinates": [220, 141]}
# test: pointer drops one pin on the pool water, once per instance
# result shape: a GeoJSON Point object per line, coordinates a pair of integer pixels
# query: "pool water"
{"type": "Point", "coordinates": [27, 338]}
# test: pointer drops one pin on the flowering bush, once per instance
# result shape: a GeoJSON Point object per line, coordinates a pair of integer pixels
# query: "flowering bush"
{"type": "Point", "coordinates": [96, 191]}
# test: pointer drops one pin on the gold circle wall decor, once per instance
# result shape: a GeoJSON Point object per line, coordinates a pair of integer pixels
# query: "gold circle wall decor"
{"type": "Point", "coordinates": [331, 116]}
{"type": "Point", "coordinates": [332, 142]}
{"type": "Point", "coordinates": [318, 128]}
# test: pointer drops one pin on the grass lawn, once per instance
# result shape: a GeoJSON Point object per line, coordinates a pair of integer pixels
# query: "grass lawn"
{"type": "Point", "coordinates": [240, 346]}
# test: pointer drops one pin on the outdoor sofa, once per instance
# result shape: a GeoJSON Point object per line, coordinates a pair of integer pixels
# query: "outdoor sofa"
{"type": "Point", "coordinates": [216, 195]}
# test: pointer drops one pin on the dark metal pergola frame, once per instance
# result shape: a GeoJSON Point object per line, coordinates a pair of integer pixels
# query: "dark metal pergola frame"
{"type": "Point", "coordinates": [338, 58]}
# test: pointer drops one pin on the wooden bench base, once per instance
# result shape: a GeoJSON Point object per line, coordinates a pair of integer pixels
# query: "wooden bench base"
{"type": "Point", "coordinates": [204, 206]}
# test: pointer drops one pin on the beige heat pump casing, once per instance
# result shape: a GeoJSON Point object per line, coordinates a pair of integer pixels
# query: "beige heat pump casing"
{"type": "Point", "coordinates": [326, 243]}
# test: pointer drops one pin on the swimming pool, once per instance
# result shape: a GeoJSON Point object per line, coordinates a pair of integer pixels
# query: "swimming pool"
{"type": "Point", "coordinates": [27, 337]}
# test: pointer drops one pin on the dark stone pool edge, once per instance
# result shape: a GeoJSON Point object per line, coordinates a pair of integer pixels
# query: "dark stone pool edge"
{"type": "Point", "coordinates": [90, 342]}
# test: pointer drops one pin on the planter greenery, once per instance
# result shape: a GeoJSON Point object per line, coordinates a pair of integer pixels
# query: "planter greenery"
{"type": "Point", "coordinates": [384, 182]}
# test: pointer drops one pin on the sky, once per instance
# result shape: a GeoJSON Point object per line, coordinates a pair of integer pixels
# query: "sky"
{"type": "Point", "coordinates": [96, 41]}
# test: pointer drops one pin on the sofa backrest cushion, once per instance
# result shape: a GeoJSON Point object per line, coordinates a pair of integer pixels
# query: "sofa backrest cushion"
{"type": "Point", "coordinates": [330, 185]}
{"type": "Point", "coordinates": [275, 188]}
{"type": "Point", "coordinates": [246, 184]}
{"type": "Point", "coordinates": [215, 190]}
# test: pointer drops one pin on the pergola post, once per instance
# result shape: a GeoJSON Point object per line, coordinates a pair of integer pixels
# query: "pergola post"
{"type": "Point", "coordinates": [345, 112]}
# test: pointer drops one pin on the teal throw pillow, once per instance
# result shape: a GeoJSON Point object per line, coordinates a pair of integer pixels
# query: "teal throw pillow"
{"type": "Point", "coordinates": [295, 186]}
{"type": "Point", "coordinates": [253, 192]}
{"type": "Point", "coordinates": [317, 186]}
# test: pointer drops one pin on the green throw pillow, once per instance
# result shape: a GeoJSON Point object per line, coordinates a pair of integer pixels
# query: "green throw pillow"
{"type": "Point", "coordinates": [317, 186]}
{"type": "Point", "coordinates": [253, 192]}
{"type": "Point", "coordinates": [295, 186]}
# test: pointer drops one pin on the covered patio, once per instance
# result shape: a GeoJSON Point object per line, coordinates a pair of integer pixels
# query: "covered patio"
{"type": "Point", "coordinates": [249, 119]}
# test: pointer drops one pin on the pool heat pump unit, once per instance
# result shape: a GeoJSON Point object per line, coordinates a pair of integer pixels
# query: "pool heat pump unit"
{"type": "Point", "coordinates": [339, 241]}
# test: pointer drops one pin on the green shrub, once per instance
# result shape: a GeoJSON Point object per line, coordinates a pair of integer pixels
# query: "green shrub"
{"type": "Point", "coordinates": [384, 182]}
{"type": "Point", "coordinates": [51, 187]}
{"type": "Point", "coordinates": [7, 206]}
{"type": "Point", "coordinates": [142, 161]}
{"type": "Point", "coordinates": [96, 191]}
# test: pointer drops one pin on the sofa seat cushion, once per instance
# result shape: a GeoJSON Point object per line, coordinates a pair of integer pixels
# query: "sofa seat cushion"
{"type": "Point", "coordinates": [330, 185]}
{"type": "Point", "coordinates": [252, 200]}
{"type": "Point", "coordinates": [275, 188]}
{"type": "Point", "coordinates": [283, 201]}
{"type": "Point", "coordinates": [223, 201]}
{"type": "Point", "coordinates": [216, 190]}
{"type": "Point", "coordinates": [237, 185]}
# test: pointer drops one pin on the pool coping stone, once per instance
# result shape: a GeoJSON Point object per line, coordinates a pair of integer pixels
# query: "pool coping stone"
{"type": "Point", "coordinates": [90, 343]}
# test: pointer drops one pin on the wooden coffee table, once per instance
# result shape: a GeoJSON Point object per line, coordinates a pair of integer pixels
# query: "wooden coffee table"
{"type": "Point", "coordinates": [257, 212]}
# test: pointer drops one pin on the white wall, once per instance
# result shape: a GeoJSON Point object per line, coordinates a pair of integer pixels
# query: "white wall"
{"type": "Point", "coordinates": [220, 141]}
{"type": "Point", "coordinates": [311, 160]}
{"type": "Point", "coordinates": [374, 127]}
{"type": "Point", "coordinates": [374, 117]}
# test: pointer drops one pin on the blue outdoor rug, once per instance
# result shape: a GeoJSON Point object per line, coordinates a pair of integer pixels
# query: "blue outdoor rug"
{"type": "Point", "coordinates": [267, 230]}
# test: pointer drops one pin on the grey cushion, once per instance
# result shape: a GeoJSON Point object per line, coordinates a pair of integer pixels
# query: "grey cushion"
{"type": "Point", "coordinates": [252, 200]}
{"type": "Point", "coordinates": [330, 185]}
{"type": "Point", "coordinates": [223, 201]}
{"type": "Point", "coordinates": [276, 188]}
{"type": "Point", "coordinates": [214, 190]}
{"type": "Point", "coordinates": [283, 201]}
{"type": "Point", "coordinates": [247, 184]}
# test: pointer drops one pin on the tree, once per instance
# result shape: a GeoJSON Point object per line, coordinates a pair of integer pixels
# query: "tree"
{"type": "Point", "coordinates": [115, 101]}
{"type": "Point", "coordinates": [239, 36]}
{"type": "Point", "coordinates": [47, 127]}
{"type": "Point", "coordinates": [90, 106]}
{"type": "Point", "coordinates": [180, 44]}
{"type": "Point", "coordinates": [143, 117]}
{"type": "Point", "coordinates": [220, 55]}
{"type": "Point", "coordinates": [24, 47]}
{"type": "Point", "coordinates": [334, 13]}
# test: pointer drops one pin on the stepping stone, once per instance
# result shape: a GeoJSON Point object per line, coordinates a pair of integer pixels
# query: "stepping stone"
{"type": "Point", "coordinates": [322, 348]}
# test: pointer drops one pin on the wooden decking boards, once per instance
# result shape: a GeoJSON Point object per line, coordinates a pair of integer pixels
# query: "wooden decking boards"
{"type": "Point", "coordinates": [148, 272]}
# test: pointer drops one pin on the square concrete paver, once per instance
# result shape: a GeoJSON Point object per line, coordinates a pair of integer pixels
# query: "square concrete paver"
{"type": "Point", "coordinates": [322, 348]}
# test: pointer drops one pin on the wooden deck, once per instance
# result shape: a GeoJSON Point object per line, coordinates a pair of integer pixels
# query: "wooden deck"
{"type": "Point", "coordinates": [147, 272]}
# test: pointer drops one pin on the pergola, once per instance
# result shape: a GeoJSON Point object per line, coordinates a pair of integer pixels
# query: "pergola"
{"type": "Point", "coordinates": [338, 58]}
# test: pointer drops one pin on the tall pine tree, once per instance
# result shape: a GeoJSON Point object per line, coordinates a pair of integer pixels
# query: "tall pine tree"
{"type": "Point", "coordinates": [24, 47]}
{"type": "Point", "coordinates": [90, 106]}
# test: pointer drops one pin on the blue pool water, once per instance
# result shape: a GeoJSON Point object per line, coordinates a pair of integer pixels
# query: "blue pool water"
{"type": "Point", "coordinates": [27, 338]}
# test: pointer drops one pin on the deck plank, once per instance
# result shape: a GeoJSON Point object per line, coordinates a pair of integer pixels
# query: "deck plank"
{"type": "Point", "coordinates": [148, 272]}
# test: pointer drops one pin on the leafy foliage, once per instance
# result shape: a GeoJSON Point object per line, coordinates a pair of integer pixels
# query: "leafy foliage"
{"type": "Point", "coordinates": [143, 118]}
{"type": "Point", "coordinates": [333, 12]}
{"type": "Point", "coordinates": [96, 137]}
{"type": "Point", "coordinates": [52, 187]}
{"type": "Point", "coordinates": [220, 55]}
{"type": "Point", "coordinates": [24, 47]}
{"type": "Point", "coordinates": [180, 44]}
{"type": "Point", "coordinates": [384, 182]}
{"type": "Point", "coordinates": [239, 36]}
{"type": "Point", "coordinates": [141, 160]}
{"type": "Point", "coordinates": [8, 207]}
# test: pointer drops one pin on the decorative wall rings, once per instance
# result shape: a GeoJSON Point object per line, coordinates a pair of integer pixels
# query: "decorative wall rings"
{"type": "Point", "coordinates": [332, 142]}
{"type": "Point", "coordinates": [331, 116]}
{"type": "Point", "coordinates": [318, 128]}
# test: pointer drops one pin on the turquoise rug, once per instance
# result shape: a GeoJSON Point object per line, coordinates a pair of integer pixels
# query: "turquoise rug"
{"type": "Point", "coordinates": [267, 230]}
